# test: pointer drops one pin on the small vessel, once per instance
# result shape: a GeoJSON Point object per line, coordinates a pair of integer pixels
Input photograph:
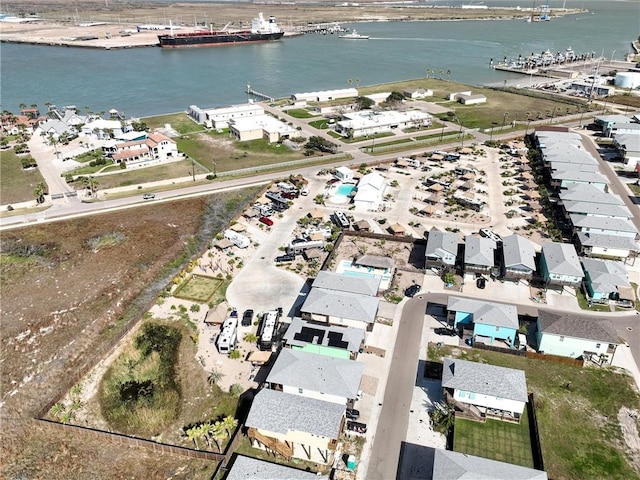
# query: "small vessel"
{"type": "Point", "coordinates": [262, 30]}
{"type": "Point", "coordinates": [354, 36]}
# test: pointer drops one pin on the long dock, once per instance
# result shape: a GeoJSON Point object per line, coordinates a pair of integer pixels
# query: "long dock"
{"type": "Point", "coordinates": [262, 96]}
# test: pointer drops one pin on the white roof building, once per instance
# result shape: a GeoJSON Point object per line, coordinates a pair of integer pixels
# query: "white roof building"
{"type": "Point", "coordinates": [324, 95]}
{"type": "Point", "coordinates": [262, 126]}
{"type": "Point", "coordinates": [368, 122]}
{"type": "Point", "coordinates": [219, 117]}
{"type": "Point", "coordinates": [369, 192]}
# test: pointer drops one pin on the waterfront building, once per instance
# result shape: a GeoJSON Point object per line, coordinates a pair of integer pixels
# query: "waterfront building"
{"type": "Point", "coordinates": [220, 117]}
{"type": "Point", "coordinates": [367, 122]}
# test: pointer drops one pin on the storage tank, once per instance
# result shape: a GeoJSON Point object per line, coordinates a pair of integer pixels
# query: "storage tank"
{"type": "Point", "coordinates": [627, 80]}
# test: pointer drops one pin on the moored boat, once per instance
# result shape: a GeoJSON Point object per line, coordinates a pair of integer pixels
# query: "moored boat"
{"type": "Point", "coordinates": [354, 36]}
{"type": "Point", "coordinates": [262, 30]}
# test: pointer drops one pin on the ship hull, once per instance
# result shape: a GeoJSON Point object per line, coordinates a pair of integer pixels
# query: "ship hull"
{"type": "Point", "coordinates": [215, 39]}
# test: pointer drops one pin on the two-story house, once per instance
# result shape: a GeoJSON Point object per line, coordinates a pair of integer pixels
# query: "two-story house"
{"type": "Point", "coordinates": [560, 265]}
{"type": "Point", "coordinates": [442, 249]}
{"type": "Point", "coordinates": [518, 258]}
{"type": "Point", "coordinates": [575, 336]}
{"type": "Point", "coordinates": [479, 255]}
{"type": "Point", "coordinates": [485, 391]}
{"type": "Point", "coordinates": [489, 321]}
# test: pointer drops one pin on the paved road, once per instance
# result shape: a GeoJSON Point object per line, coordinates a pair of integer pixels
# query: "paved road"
{"type": "Point", "coordinates": [394, 415]}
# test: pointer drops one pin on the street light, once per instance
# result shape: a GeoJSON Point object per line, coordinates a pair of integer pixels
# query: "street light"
{"type": "Point", "coordinates": [504, 119]}
{"type": "Point", "coordinates": [442, 131]}
{"type": "Point", "coordinates": [526, 131]}
{"type": "Point", "coordinates": [215, 174]}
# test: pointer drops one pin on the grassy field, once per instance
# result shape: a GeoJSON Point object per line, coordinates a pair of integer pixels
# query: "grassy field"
{"type": "Point", "coordinates": [167, 171]}
{"type": "Point", "coordinates": [299, 113]}
{"type": "Point", "coordinates": [198, 288]}
{"type": "Point", "coordinates": [62, 293]}
{"type": "Point", "coordinates": [580, 434]}
{"type": "Point", "coordinates": [501, 441]}
{"type": "Point", "coordinates": [16, 184]}
{"type": "Point", "coordinates": [584, 303]}
{"type": "Point", "coordinates": [180, 122]}
{"type": "Point", "coordinates": [499, 102]}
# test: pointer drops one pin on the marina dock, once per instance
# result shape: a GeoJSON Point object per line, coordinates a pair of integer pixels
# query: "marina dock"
{"type": "Point", "coordinates": [262, 96]}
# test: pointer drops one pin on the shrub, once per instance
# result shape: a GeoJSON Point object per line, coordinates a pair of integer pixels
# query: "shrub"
{"type": "Point", "coordinates": [234, 354]}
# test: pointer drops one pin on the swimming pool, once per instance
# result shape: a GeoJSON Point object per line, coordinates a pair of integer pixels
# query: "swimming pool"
{"type": "Point", "coordinates": [345, 189]}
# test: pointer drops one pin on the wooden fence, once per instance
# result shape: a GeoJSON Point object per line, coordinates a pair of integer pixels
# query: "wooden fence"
{"type": "Point", "coordinates": [536, 448]}
{"type": "Point", "coordinates": [531, 354]}
{"type": "Point", "coordinates": [137, 442]}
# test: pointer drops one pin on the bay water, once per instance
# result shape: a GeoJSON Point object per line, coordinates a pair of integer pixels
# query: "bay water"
{"type": "Point", "coordinates": [149, 81]}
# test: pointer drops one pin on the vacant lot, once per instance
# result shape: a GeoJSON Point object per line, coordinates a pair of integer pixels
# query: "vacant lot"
{"type": "Point", "coordinates": [16, 184]}
{"type": "Point", "coordinates": [577, 411]}
{"type": "Point", "coordinates": [67, 288]}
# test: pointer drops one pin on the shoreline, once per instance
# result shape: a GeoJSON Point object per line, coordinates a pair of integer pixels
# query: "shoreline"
{"type": "Point", "coordinates": [121, 35]}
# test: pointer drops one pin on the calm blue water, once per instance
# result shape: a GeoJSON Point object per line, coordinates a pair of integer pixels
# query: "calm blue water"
{"type": "Point", "coordinates": [147, 81]}
{"type": "Point", "coordinates": [345, 189]}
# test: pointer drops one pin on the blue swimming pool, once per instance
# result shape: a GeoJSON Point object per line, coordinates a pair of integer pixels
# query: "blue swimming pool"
{"type": "Point", "coordinates": [345, 189]}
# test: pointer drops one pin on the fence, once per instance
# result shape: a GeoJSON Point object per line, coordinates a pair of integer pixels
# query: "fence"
{"type": "Point", "coordinates": [137, 442]}
{"type": "Point", "coordinates": [416, 143]}
{"type": "Point", "coordinates": [556, 358]}
{"type": "Point", "coordinates": [530, 354]}
{"type": "Point", "coordinates": [536, 448]}
{"type": "Point", "coordinates": [283, 165]}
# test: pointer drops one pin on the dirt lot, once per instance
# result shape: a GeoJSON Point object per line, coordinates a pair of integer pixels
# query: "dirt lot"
{"type": "Point", "coordinates": [66, 289]}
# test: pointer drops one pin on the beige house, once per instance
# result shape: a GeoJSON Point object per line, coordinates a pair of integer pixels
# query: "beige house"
{"type": "Point", "coordinates": [294, 426]}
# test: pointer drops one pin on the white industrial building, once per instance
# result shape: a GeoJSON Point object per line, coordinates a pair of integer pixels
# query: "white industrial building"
{"type": "Point", "coordinates": [324, 95]}
{"type": "Point", "coordinates": [263, 126]}
{"type": "Point", "coordinates": [367, 122]}
{"type": "Point", "coordinates": [220, 117]}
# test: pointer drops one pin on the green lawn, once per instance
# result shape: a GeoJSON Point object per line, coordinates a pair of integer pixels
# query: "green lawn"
{"type": "Point", "coordinates": [149, 174]}
{"type": "Point", "coordinates": [198, 288]}
{"type": "Point", "coordinates": [580, 434]}
{"type": "Point", "coordinates": [584, 303]}
{"type": "Point", "coordinates": [299, 113]}
{"type": "Point", "coordinates": [320, 124]}
{"type": "Point", "coordinates": [16, 184]}
{"type": "Point", "coordinates": [502, 441]}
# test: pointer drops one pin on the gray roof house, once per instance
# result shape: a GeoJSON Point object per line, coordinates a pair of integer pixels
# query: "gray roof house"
{"type": "Point", "coordinates": [345, 283]}
{"type": "Point", "coordinates": [479, 254]}
{"type": "Point", "coordinates": [573, 335]}
{"type": "Point", "coordinates": [248, 468]}
{"type": "Point", "coordinates": [295, 426]}
{"type": "Point", "coordinates": [565, 178]}
{"type": "Point", "coordinates": [442, 248]}
{"type": "Point", "coordinates": [302, 334]}
{"type": "Point", "coordinates": [450, 465]}
{"type": "Point", "coordinates": [518, 258]}
{"type": "Point", "coordinates": [318, 376]}
{"type": "Point", "coordinates": [340, 308]}
{"type": "Point", "coordinates": [559, 264]}
{"type": "Point", "coordinates": [488, 313]}
{"type": "Point", "coordinates": [485, 390]}
{"type": "Point", "coordinates": [418, 462]}
{"type": "Point", "coordinates": [588, 193]}
{"type": "Point", "coordinates": [611, 246]}
{"type": "Point", "coordinates": [595, 209]}
{"type": "Point", "coordinates": [605, 279]}
{"type": "Point", "coordinates": [546, 138]}
{"type": "Point", "coordinates": [604, 225]}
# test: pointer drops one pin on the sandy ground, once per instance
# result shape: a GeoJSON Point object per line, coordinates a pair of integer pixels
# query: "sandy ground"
{"type": "Point", "coordinates": [61, 18]}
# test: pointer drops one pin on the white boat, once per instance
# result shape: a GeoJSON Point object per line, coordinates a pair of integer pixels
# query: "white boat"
{"type": "Point", "coordinates": [354, 36]}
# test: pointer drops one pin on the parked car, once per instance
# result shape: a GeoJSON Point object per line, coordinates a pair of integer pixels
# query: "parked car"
{"type": "Point", "coordinates": [304, 192]}
{"type": "Point", "coordinates": [352, 414]}
{"type": "Point", "coordinates": [481, 283]}
{"type": "Point", "coordinates": [449, 332]}
{"type": "Point", "coordinates": [412, 290]}
{"type": "Point", "coordinates": [148, 196]}
{"type": "Point", "coordinates": [485, 232]}
{"type": "Point", "coordinates": [267, 221]}
{"type": "Point", "coordinates": [284, 258]}
{"type": "Point", "coordinates": [357, 427]}
{"type": "Point", "coordinates": [247, 318]}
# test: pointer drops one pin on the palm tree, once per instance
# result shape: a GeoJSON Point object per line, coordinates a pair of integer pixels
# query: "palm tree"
{"type": "Point", "coordinates": [250, 337]}
{"type": "Point", "coordinates": [229, 424]}
{"type": "Point", "coordinates": [205, 430]}
{"type": "Point", "coordinates": [349, 82]}
{"type": "Point", "coordinates": [57, 409]}
{"type": "Point", "coordinates": [448, 75]}
{"type": "Point", "coordinates": [39, 192]}
{"type": "Point", "coordinates": [192, 434]}
{"type": "Point", "coordinates": [218, 434]}
{"type": "Point", "coordinates": [357, 82]}
{"type": "Point", "coordinates": [214, 377]}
